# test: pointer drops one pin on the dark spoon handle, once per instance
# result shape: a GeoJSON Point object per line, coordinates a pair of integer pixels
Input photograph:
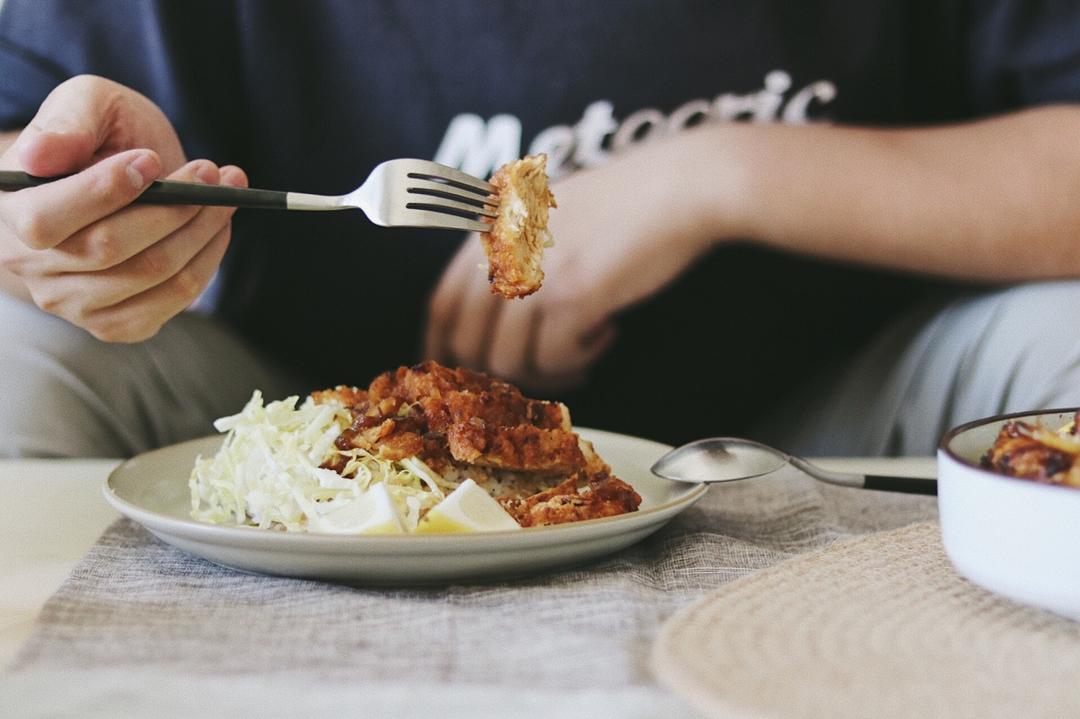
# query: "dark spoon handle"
{"type": "Point", "coordinates": [908, 485]}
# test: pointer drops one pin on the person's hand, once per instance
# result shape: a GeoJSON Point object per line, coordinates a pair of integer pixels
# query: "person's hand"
{"type": "Point", "coordinates": [77, 246]}
{"type": "Point", "coordinates": [622, 232]}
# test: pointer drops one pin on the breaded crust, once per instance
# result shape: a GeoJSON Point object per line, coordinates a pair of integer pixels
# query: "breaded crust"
{"type": "Point", "coordinates": [515, 245]}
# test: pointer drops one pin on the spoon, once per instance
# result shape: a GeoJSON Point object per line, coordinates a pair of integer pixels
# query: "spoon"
{"type": "Point", "coordinates": [728, 459]}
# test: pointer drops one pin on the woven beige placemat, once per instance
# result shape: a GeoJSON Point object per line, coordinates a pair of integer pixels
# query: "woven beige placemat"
{"type": "Point", "coordinates": [879, 626]}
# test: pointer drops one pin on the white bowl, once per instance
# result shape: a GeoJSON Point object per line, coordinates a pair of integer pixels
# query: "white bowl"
{"type": "Point", "coordinates": [1012, 536]}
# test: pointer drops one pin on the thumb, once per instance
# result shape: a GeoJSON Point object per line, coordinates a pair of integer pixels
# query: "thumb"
{"type": "Point", "coordinates": [69, 128]}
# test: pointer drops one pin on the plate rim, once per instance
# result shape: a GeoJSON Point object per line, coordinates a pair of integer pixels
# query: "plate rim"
{"type": "Point", "coordinates": [512, 540]}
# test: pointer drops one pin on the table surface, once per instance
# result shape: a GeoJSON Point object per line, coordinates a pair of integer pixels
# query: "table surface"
{"type": "Point", "coordinates": [53, 511]}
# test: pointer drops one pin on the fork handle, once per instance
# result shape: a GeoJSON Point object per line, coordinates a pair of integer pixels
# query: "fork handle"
{"type": "Point", "coordinates": [172, 192]}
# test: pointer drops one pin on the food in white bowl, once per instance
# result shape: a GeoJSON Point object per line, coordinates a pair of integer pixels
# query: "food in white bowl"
{"type": "Point", "coordinates": [1031, 451]}
{"type": "Point", "coordinates": [1010, 521]}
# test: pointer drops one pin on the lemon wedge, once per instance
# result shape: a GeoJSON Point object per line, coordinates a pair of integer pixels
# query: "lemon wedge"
{"type": "Point", "coordinates": [467, 509]}
{"type": "Point", "coordinates": [373, 512]}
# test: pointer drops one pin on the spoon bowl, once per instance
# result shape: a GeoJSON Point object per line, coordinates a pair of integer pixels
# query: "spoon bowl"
{"type": "Point", "coordinates": [730, 459]}
{"type": "Point", "coordinates": [719, 459]}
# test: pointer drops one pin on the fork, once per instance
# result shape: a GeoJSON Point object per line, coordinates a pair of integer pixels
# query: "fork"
{"type": "Point", "coordinates": [397, 193]}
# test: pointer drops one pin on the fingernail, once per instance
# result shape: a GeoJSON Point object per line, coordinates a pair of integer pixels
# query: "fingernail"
{"type": "Point", "coordinates": [143, 170]}
{"type": "Point", "coordinates": [207, 173]}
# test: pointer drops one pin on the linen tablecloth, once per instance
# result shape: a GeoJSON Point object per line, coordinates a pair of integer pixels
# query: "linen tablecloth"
{"type": "Point", "coordinates": [143, 626]}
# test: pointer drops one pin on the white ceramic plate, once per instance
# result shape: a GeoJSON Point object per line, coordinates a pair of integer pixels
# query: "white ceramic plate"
{"type": "Point", "coordinates": [1012, 536]}
{"type": "Point", "coordinates": [152, 489]}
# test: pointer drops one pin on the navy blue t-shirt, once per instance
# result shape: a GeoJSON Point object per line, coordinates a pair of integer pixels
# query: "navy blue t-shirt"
{"type": "Point", "coordinates": [309, 96]}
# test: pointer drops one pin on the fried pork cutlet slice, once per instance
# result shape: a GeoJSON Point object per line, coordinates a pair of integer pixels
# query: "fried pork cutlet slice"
{"type": "Point", "coordinates": [518, 236]}
{"type": "Point", "coordinates": [579, 497]}
{"type": "Point", "coordinates": [522, 447]}
{"type": "Point", "coordinates": [431, 379]}
{"type": "Point", "coordinates": [590, 493]}
{"type": "Point", "coordinates": [467, 422]}
{"type": "Point", "coordinates": [441, 414]}
{"type": "Point", "coordinates": [501, 408]}
{"type": "Point", "coordinates": [456, 395]}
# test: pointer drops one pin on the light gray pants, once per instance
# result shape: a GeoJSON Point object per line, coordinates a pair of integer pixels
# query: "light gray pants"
{"type": "Point", "coordinates": [1004, 351]}
{"type": "Point", "coordinates": [65, 394]}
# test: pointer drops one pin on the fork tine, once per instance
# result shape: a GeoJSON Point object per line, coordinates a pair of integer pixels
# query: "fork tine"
{"type": "Point", "coordinates": [447, 189]}
{"type": "Point", "coordinates": [427, 170]}
{"type": "Point", "coordinates": [424, 197]}
{"type": "Point", "coordinates": [424, 217]}
{"type": "Point", "coordinates": [469, 202]}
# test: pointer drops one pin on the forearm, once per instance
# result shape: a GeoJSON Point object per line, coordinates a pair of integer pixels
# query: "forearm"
{"type": "Point", "coordinates": [993, 200]}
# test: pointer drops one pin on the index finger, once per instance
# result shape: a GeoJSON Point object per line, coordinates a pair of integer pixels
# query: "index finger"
{"type": "Point", "coordinates": [46, 215]}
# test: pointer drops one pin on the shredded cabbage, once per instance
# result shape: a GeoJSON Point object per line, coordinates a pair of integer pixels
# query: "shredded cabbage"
{"type": "Point", "coordinates": [268, 472]}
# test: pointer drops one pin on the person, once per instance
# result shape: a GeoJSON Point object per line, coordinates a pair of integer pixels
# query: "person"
{"type": "Point", "coordinates": [840, 226]}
